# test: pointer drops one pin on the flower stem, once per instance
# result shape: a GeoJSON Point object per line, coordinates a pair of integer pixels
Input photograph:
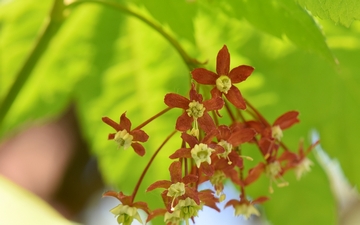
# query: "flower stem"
{"type": "Point", "coordinates": [152, 118]}
{"type": "Point", "coordinates": [228, 109]}
{"type": "Point", "coordinates": [148, 165]}
{"type": "Point", "coordinates": [241, 176]}
{"type": "Point", "coordinates": [260, 117]}
{"type": "Point", "coordinates": [190, 62]}
{"type": "Point", "coordinates": [51, 27]}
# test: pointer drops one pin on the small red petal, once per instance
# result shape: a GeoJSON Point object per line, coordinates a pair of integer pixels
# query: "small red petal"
{"type": "Point", "coordinates": [138, 148]}
{"type": "Point", "coordinates": [207, 169]}
{"type": "Point", "coordinates": [159, 184]}
{"type": "Point", "coordinates": [191, 140]}
{"type": "Point", "coordinates": [111, 123]}
{"type": "Point", "coordinates": [223, 62]}
{"type": "Point", "coordinates": [236, 159]}
{"type": "Point", "coordinates": [232, 202]}
{"type": "Point", "coordinates": [204, 76]}
{"type": "Point", "coordinates": [234, 176]}
{"type": "Point", "coordinates": [207, 197]}
{"type": "Point", "coordinates": [125, 123]}
{"type": "Point", "coordinates": [111, 136]}
{"type": "Point", "coordinates": [254, 173]}
{"type": "Point", "coordinates": [260, 200]}
{"type": "Point", "coordinates": [240, 73]}
{"type": "Point", "coordinates": [224, 132]}
{"type": "Point", "coordinates": [194, 96]}
{"type": "Point", "coordinates": [183, 123]}
{"type": "Point", "coordinates": [193, 194]}
{"type": "Point", "coordinates": [111, 194]}
{"type": "Point", "coordinates": [215, 103]}
{"type": "Point", "coordinates": [209, 136]}
{"type": "Point", "coordinates": [287, 119]}
{"type": "Point", "coordinates": [190, 178]}
{"type": "Point", "coordinates": [139, 135]}
{"type": "Point", "coordinates": [256, 125]}
{"type": "Point", "coordinates": [215, 93]}
{"type": "Point", "coordinates": [206, 123]}
{"type": "Point", "coordinates": [181, 153]}
{"type": "Point", "coordinates": [175, 171]}
{"type": "Point", "coordinates": [287, 155]}
{"type": "Point", "coordinates": [235, 97]}
{"type": "Point", "coordinates": [156, 213]}
{"type": "Point", "coordinates": [142, 205]}
{"type": "Point", "coordinates": [176, 101]}
{"type": "Point", "coordinates": [241, 136]}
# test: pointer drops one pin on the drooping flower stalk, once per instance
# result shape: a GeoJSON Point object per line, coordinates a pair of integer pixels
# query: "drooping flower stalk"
{"type": "Point", "coordinates": [152, 118]}
{"type": "Point", "coordinates": [149, 164]}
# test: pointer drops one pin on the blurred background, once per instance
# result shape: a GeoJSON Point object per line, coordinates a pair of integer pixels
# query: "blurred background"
{"type": "Point", "coordinates": [102, 61]}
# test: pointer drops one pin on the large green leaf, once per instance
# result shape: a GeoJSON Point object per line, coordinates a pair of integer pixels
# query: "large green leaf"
{"type": "Point", "coordinates": [339, 11]}
{"type": "Point", "coordinates": [178, 15]}
{"type": "Point", "coordinates": [107, 64]}
{"type": "Point", "coordinates": [17, 201]}
{"type": "Point", "coordinates": [283, 19]}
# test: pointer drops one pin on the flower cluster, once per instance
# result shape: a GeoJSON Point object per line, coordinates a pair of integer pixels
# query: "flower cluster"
{"type": "Point", "coordinates": [210, 151]}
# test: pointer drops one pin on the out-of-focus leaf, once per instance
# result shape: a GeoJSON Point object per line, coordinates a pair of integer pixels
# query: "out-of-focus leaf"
{"type": "Point", "coordinates": [18, 206]}
{"type": "Point", "coordinates": [282, 19]}
{"type": "Point", "coordinates": [347, 197]}
{"type": "Point", "coordinates": [306, 83]}
{"type": "Point", "coordinates": [132, 69]}
{"type": "Point", "coordinates": [178, 15]}
{"type": "Point", "coordinates": [339, 11]}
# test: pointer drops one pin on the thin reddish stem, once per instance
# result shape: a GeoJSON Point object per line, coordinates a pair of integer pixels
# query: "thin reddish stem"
{"type": "Point", "coordinates": [261, 118]}
{"type": "Point", "coordinates": [241, 115]}
{"type": "Point", "coordinates": [229, 111]}
{"type": "Point", "coordinates": [152, 118]}
{"type": "Point", "coordinates": [215, 117]}
{"type": "Point", "coordinates": [148, 165]}
{"type": "Point", "coordinates": [283, 146]}
{"type": "Point", "coordinates": [241, 175]}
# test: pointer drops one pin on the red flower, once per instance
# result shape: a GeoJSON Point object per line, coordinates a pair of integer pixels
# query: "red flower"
{"type": "Point", "coordinates": [245, 207]}
{"type": "Point", "coordinates": [224, 79]}
{"type": "Point", "coordinates": [178, 186]}
{"type": "Point", "coordinates": [298, 161]}
{"type": "Point", "coordinates": [200, 152]}
{"type": "Point", "coordinates": [272, 133]}
{"type": "Point", "coordinates": [128, 210]}
{"type": "Point", "coordinates": [125, 136]}
{"type": "Point", "coordinates": [232, 137]}
{"type": "Point", "coordinates": [195, 110]}
{"type": "Point", "coordinates": [273, 170]}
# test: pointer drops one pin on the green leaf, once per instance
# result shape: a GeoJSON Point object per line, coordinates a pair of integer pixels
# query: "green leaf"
{"type": "Point", "coordinates": [339, 11]}
{"type": "Point", "coordinates": [178, 15]}
{"type": "Point", "coordinates": [283, 18]}
{"type": "Point", "coordinates": [19, 206]}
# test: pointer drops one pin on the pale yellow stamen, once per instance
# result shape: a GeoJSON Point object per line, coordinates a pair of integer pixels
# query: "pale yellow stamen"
{"type": "Point", "coordinates": [272, 170]}
{"type": "Point", "coordinates": [201, 153]}
{"type": "Point", "coordinates": [195, 109]}
{"type": "Point", "coordinates": [246, 210]}
{"type": "Point", "coordinates": [123, 138]}
{"type": "Point", "coordinates": [176, 190]}
{"type": "Point", "coordinates": [227, 147]}
{"type": "Point", "coordinates": [223, 84]}
{"type": "Point", "coordinates": [303, 167]}
{"type": "Point", "coordinates": [276, 132]}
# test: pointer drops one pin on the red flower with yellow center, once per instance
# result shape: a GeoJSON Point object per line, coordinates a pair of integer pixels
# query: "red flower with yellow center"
{"type": "Point", "coordinates": [195, 110]}
{"type": "Point", "coordinates": [126, 137]}
{"type": "Point", "coordinates": [224, 78]}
